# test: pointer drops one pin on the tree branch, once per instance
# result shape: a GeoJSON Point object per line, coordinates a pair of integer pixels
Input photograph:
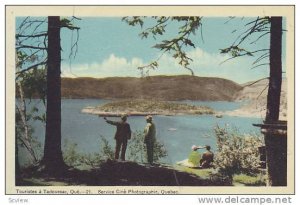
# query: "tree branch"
{"type": "Point", "coordinates": [31, 36]}
{"type": "Point", "coordinates": [230, 19]}
{"type": "Point", "coordinates": [266, 55]}
{"type": "Point", "coordinates": [262, 91]}
{"type": "Point", "coordinates": [248, 85]}
{"type": "Point", "coordinates": [33, 47]}
{"type": "Point", "coordinates": [260, 37]}
{"type": "Point", "coordinates": [260, 65]}
{"type": "Point", "coordinates": [31, 67]}
{"type": "Point", "coordinates": [74, 17]}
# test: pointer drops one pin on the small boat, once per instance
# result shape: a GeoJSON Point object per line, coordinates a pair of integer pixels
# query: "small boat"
{"type": "Point", "coordinates": [172, 129]}
{"type": "Point", "coordinates": [218, 116]}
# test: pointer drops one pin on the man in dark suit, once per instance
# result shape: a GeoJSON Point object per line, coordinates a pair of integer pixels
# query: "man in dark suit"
{"type": "Point", "coordinates": [123, 134]}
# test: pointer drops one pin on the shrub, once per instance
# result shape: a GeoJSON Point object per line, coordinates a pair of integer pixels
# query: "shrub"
{"type": "Point", "coordinates": [106, 150]}
{"type": "Point", "coordinates": [76, 159]}
{"type": "Point", "coordinates": [137, 149]}
{"type": "Point", "coordinates": [70, 154]}
{"type": "Point", "coordinates": [236, 152]}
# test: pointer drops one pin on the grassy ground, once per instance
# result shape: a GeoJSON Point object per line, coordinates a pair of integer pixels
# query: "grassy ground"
{"type": "Point", "coordinates": [246, 180]}
{"type": "Point", "coordinates": [238, 179]}
{"type": "Point", "coordinates": [112, 173]}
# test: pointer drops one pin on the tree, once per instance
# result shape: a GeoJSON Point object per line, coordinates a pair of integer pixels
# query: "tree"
{"type": "Point", "coordinates": [273, 100]}
{"type": "Point", "coordinates": [276, 143]}
{"type": "Point", "coordinates": [261, 26]}
{"type": "Point", "coordinates": [52, 159]}
{"type": "Point", "coordinates": [275, 139]}
{"type": "Point", "coordinates": [52, 149]}
{"type": "Point", "coordinates": [27, 74]}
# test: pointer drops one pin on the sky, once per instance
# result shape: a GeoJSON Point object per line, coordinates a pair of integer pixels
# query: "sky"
{"type": "Point", "coordinates": [107, 47]}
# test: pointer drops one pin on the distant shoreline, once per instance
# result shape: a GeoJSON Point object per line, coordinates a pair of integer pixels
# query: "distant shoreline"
{"type": "Point", "coordinates": [146, 107]}
{"type": "Point", "coordinates": [247, 112]}
{"type": "Point", "coordinates": [95, 111]}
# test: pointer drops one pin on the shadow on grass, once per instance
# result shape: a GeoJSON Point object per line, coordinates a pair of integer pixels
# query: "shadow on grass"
{"type": "Point", "coordinates": [113, 173]}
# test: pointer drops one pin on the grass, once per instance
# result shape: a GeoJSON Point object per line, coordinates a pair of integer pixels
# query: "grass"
{"type": "Point", "coordinates": [238, 179]}
{"type": "Point", "coordinates": [203, 173]}
{"type": "Point", "coordinates": [113, 173]}
{"type": "Point", "coordinates": [244, 179]}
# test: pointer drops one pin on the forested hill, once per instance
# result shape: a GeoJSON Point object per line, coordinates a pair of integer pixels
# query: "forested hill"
{"type": "Point", "coordinates": [156, 87]}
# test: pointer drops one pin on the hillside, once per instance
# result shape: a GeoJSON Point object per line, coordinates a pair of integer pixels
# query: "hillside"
{"type": "Point", "coordinates": [255, 96]}
{"type": "Point", "coordinates": [157, 87]}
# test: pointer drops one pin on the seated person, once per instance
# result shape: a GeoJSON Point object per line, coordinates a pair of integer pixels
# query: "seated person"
{"type": "Point", "coordinates": [207, 158]}
{"type": "Point", "coordinates": [194, 157]}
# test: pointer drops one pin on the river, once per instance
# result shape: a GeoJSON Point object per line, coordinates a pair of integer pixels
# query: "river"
{"type": "Point", "coordinates": [177, 133]}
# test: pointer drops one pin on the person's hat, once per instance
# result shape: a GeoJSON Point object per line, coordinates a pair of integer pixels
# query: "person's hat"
{"type": "Point", "coordinates": [148, 117]}
{"type": "Point", "coordinates": [124, 117]}
{"type": "Point", "coordinates": [207, 147]}
{"type": "Point", "coordinates": [194, 147]}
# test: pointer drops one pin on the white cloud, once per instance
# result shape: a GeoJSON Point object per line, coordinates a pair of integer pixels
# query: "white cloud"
{"type": "Point", "coordinates": [204, 64]}
{"type": "Point", "coordinates": [212, 65]}
{"type": "Point", "coordinates": [112, 66]}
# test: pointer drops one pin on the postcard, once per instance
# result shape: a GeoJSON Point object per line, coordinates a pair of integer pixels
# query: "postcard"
{"type": "Point", "coordinates": [150, 100]}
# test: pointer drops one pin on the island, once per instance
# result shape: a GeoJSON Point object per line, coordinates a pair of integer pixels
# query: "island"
{"type": "Point", "coordinates": [140, 107]}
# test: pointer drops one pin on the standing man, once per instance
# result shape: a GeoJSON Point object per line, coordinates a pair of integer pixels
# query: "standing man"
{"type": "Point", "coordinates": [149, 139]}
{"type": "Point", "coordinates": [123, 134]}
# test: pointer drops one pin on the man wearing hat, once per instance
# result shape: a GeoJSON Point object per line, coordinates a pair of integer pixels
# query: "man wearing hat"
{"type": "Point", "coordinates": [123, 134]}
{"type": "Point", "coordinates": [149, 139]}
{"type": "Point", "coordinates": [207, 158]}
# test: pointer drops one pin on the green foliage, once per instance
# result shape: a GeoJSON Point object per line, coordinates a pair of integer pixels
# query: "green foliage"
{"type": "Point", "coordinates": [30, 142]}
{"type": "Point", "coordinates": [133, 21]}
{"type": "Point", "coordinates": [33, 83]}
{"type": "Point", "coordinates": [106, 150]}
{"type": "Point", "coordinates": [175, 45]}
{"type": "Point", "coordinates": [70, 154]}
{"type": "Point", "coordinates": [237, 153]}
{"type": "Point", "coordinates": [235, 51]}
{"type": "Point", "coordinates": [137, 149]}
{"type": "Point", "coordinates": [28, 84]}
{"type": "Point", "coordinates": [67, 23]}
{"type": "Point", "coordinates": [74, 158]}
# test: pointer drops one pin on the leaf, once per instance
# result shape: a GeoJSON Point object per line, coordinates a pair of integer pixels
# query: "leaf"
{"type": "Point", "coordinates": [189, 42]}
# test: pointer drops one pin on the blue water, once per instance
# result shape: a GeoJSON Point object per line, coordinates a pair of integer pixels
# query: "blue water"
{"type": "Point", "coordinates": [86, 129]}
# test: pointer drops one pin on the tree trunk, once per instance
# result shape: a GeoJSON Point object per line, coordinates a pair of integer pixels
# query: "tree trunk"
{"type": "Point", "coordinates": [53, 159]}
{"type": "Point", "coordinates": [17, 164]}
{"type": "Point", "coordinates": [276, 144]}
{"type": "Point", "coordinates": [25, 138]}
{"type": "Point", "coordinates": [273, 100]}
